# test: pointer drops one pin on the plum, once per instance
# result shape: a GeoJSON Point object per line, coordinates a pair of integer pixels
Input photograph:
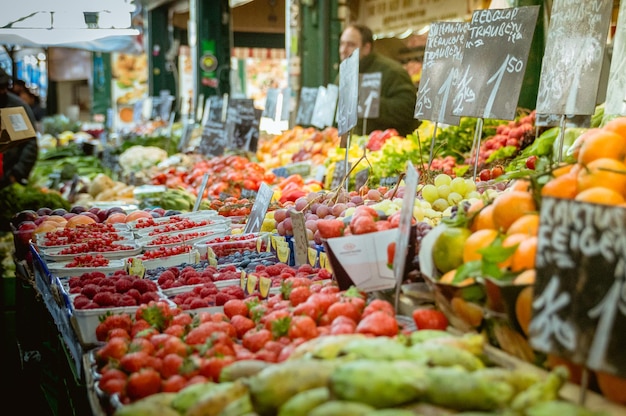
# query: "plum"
{"type": "Point", "coordinates": [94, 210]}
{"type": "Point", "coordinates": [25, 215]}
{"type": "Point", "coordinates": [113, 210]}
{"type": "Point", "coordinates": [41, 219]}
{"type": "Point", "coordinates": [78, 209]}
{"type": "Point", "coordinates": [171, 212]}
{"type": "Point", "coordinates": [155, 214]}
{"type": "Point", "coordinates": [68, 215]}
{"type": "Point", "coordinates": [102, 215]}
{"type": "Point", "coordinates": [159, 211]}
{"type": "Point", "coordinates": [44, 211]}
{"type": "Point", "coordinates": [59, 211]}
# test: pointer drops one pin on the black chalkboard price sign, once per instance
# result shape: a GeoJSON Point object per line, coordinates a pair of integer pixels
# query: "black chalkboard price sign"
{"type": "Point", "coordinates": [369, 95]}
{"type": "Point", "coordinates": [214, 139]}
{"type": "Point", "coordinates": [306, 106]}
{"type": "Point", "coordinates": [494, 62]}
{"type": "Point", "coordinates": [271, 103]}
{"type": "Point", "coordinates": [570, 70]}
{"type": "Point", "coordinates": [348, 93]}
{"type": "Point", "coordinates": [242, 124]}
{"type": "Point", "coordinates": [579, 305]}
{"type": "Point", "coordinates": [259, 209]}
{"type": "Point", "coordinates": [325, 106]}
{"type": "Point", "coordinates": [441, 67]}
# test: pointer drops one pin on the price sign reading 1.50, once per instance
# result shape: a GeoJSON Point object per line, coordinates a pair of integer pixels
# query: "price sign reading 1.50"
{"type": "Point", "coordinates": [510, 65]}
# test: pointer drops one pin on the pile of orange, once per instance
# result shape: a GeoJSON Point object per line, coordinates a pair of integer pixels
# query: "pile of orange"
{"type": "Point", "coordinates": [599, 174]}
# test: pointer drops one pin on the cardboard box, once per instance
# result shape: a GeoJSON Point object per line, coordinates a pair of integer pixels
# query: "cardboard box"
{"type": "Point", "coordinates": [15, 126]}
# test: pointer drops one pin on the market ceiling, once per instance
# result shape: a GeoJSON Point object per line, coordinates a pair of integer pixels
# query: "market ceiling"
{"type": "Point", "coordinates": [103, 25]}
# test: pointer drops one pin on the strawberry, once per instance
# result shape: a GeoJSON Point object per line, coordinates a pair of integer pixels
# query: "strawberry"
{"type": "Point", "coordinates": [330, 228]}
{"type": "Point", "coordinates": [234, 307]}
{"type": "Point", "coordinates": [429, 319]}
{"type": "Point", "coordinates": [362, 224]}
{"type": "Point", "coordinates": [242, 324]}
{"type": "Point", "coordinates": [391, 253]}
{"type": "Point", "coordinates": [255, 339]}
{"type": "Point", "coordinates": [378, 323]}
{"type": "Point", "coordinates": [143, 383]}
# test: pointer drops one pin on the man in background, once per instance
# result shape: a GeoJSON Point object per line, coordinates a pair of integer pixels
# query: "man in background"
{"type": "Point", "coordinates": [17, 162]}
{"type": "Point", "coordinates": [397, 92]}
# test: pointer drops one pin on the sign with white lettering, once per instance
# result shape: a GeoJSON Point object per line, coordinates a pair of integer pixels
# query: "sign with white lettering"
{"type": "Point", "coordinates": [325, 106]}
{"type": "Point", "coordinates": [494, 62]}
{"type": "Point", "coordinates": [369, 95]}
{"type": "Point", "coordinates": [306, 106]}
{"type": "Point", "coordinates": [570, 70]}
{"type": "Point", "coordinates": [440, 69]}
{"type": "Point", "coordinates": [579, 306]}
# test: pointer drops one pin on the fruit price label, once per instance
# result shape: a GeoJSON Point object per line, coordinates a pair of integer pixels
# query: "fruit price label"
{"type": "Point", "coordinates": [313, 256]}
{"type": "Point", "coordinates": [265, 284]}
{"type": "Point", "coordinates": [283, 251]}
{"type": "Point", "coordinates": [369, 95]}
{"type": "Point", "coordinates": [348, 92]}
{"type": "Point", "coordinates": [579, 305]}
{"type": "Point", "coordinates": [243, 280]}
{"type": "Point", "coordinates": [251, 283]}
{"type": "Point", "coordinates": [572, 62]}
{"type": "Point", "coordinates": [306, 106]}
{"type": "Point", "coordinates": [554, 120]}
{"type": "Point", "coordinates": [211, 257]}
{"type": "Point", "coordinates": [214, 139]}
{"type": "Point", "coordinates": [300, 237]}
{"type": "Point", "coordinates": [134, 266]}
{"type": "Point", "coordinates": [242, 124]}
{"type": "Point", "coordinates": [361, 177]}
{"type": "Point", "coordinates": [494, 62]}
{"type": "Point", "coordinates": [440, 69]}
{"type": "Point", "coordinates": [339, 174]}
{"type": "Point", "coordinates": [259, 209]}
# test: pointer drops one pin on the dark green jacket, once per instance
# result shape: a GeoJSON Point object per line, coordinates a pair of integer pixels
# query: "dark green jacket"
{"type": "Point", "coordinates": [397, 96]}
{"type": "Point", "coordinates": [19, 160]}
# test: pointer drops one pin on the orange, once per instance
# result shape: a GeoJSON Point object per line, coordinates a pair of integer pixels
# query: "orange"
{"type": "Point", "coordinates": [574, 149]}
{"type": "Point", "coordinates": [448, 278]}
{"type": "Point", "coordinates": [469, 312]}
{"type": "Point", "coordinates": [524, 256]}
{"type": "Point", "coordinates": [563, 169]}
{"type": "Point", "coordinates": [565, 186]}
{"type": "Point", "coordinates": [478, 240]}
{"type": "Point", "coordinates": [527, 277]}
{"type": "Point", "coordinates": [606, 172]}
{"type": "Point", "coordinates": [523, 308]}
{"type": "Point", "coordinates": [79, 219]}
{"type": "Point", "coordinates": [521, 185]}
{"type": "Point", "coordinates": [475, 207]}
{"type": "Point", "coordinates": [617, 125]}
{"type": "Point", "coordinates": [116, 217]}
{"type": "Point", "coordinates": [526, 224]}
{"type": "Point", "coordinates": [512, 240]}
{"type": "Point", "coordinates": [612, 387]}
{"type": "Point", "coordinates": [511, 205]}
{"type": "Point", "coordinates": [600, 195]}
{"type": "Point", "coordinates": [601, 143]}
{"type": "Point", "coordinates": [483, 219]}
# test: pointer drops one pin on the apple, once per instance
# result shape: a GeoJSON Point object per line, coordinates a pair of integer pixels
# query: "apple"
{"type": "Point", "coordinates": [22, 216]}
{"type": "Point", "coordinates": [25, 231]}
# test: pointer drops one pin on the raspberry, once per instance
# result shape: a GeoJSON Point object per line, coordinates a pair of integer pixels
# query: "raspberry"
{"type": "Point", "coordinates": [324, 274]}
{"type": "Point", "coordinates": [141, 285]}
{"type": "Point", "coordinates": [104, 299]}
{"type": "Point", "coordinates": [135, 294]}
{"type": "Point", "coordinates": [174, 270]}
{"type": "Point", "coordinates": [95, 275]}
{"type": "Point", "coordinates": [259, 268]}
{"type": "Point", "coordinates": [81, 301]}
{"type": "Point", "coordinates": [107, 282]}
{"type": "Point", "coordinates": [195, 280]}
{"type": "Point", "coordinates": [92, 305]}
{"type": "Point", "coordinates": [221, 298]}
{"type": "Point", "coordinates": [197, 303]}
{"type": "Point", "coordinates": [90, 290]}
{"type": "Point", "coordinates": [273, 270]}
{"type": "Point", "coordinates": [165, 276]}
{"type": "Point", "coordinates": [127, 300]}
{"type": "Point", "coordinates": [208, 291]}
{"type": "Point", "coordinates": [123, 285]}
{"type": "Point", "coordinates": [231, 268]}
{"type": "Point", "coordinates": [149, 296]}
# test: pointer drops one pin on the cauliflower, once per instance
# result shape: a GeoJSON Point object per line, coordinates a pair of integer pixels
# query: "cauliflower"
{"type": "Point", "coordinates": [137, 158]}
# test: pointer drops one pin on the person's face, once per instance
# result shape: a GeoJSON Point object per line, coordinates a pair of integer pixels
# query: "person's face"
{"type": "Point", "coordinates": [349, 41]}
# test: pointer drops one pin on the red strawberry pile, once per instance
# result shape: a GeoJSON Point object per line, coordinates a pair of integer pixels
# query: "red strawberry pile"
{"type": "Point", "coordinates": [177, 238]}
{"type": "Point", "coordinates": [163, 251]}
{"type": "Point", "coordinates": [95, 290]}
{"type": "Point", "coordinates": [164, 350]}
{"type": "Point", "coordinates": [183, 224]}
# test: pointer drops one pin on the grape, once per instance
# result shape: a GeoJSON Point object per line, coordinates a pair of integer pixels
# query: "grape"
{"type": "Point", "coordinates": [440, 205]}
{"type": "Point", "coordinates": [301, 203]}
{"type": "Point", "coordinates": [338, 209]}
{"type": "Point", "coordinates": [311, 225]}
{"type": "Point", "coordinates": [280, 228]}
{"type": "Point", "coordinates": [288, 225]}
{"type": "Point", "coordinates": [322, 211]}
{"type": "Point", "coordinates": [454, 198]}
{"type": "Point", "coordinates": [374, 195]}
{"type": "Point", "coordinates": [471, 186]}
{"type": "Point", "coordinates": [443, 191]}
{"type": "Point", "coordinates": [280, 215]}
{"type": "Point", "coordinates": [311, 196]}
{"type": "Point", "coordinates": [473, 195]}
{"type": "Point", "coordinates": [430, 193]}
{"type": "Point", "coordinates": [442, 179]}
{"type": "Point", "coordinates": [458, 185]}
{"type": "Point", "coordinates": [357, 200]}
{"type": "Point", "coordinates": [311, 216]}
{"type": "Point", "coordinates": [309, 234]}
